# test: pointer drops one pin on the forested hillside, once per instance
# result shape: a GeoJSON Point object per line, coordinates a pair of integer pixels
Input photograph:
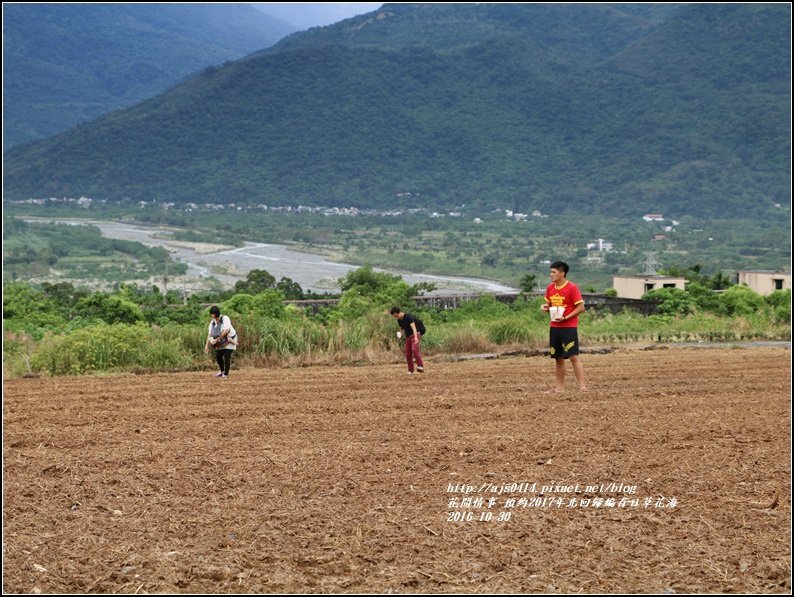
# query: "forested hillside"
{"type": "Point", "coordinates": [682, 109]}
{"type": "Point", "coordinates": [64, 64]}
{"type": "Point", "coordinates": [588, 32]}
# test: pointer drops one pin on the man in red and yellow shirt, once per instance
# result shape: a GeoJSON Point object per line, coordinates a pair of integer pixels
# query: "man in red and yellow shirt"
{"type": "Point", "coordinates": [564, 303]}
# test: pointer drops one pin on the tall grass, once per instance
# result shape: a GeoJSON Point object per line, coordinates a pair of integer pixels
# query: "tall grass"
{"type": "Point", "coordinates": [105, 347]}
{"type": "Point", "coordinates": [301, 340]}
{"type": "Point", "coordinates": [698, 327]}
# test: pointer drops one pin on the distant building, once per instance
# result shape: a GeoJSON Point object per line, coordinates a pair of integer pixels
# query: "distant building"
{"type": "Point", "coordinates": [600, 245]}
{"type": "Point", "coordinates": [653, 218]}
{"type": "Point", "coordinates": [765, 281]}
{"type": "Point", "coordinates": [634, 287]}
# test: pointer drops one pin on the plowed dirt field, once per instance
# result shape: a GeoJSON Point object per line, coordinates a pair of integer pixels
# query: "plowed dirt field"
{"type": "Point", "coordinates": [672, 474]}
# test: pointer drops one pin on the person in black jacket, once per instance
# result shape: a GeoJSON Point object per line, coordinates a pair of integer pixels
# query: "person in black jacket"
{"type": "Point", "coordinates": [412, 328]}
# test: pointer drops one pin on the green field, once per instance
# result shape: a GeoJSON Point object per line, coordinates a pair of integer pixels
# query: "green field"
{"type": "Point", "coordinates": [78, 253]}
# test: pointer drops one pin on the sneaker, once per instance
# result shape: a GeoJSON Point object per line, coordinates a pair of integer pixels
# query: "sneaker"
{"type": "Point", "coordinates": [219, 374]}
{"type": "Point", "coordinates": [410, 373]}
{"type": "Point", "coordinates": [225, 375]}
{"type": "Point", "coordinates": [420, 369]}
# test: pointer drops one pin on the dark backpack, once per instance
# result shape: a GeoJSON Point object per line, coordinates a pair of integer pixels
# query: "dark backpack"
{"type": "Point", "coordinates": [420, 327]}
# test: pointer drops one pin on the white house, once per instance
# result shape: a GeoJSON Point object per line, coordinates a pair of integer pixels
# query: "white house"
{"type": "Point", "coordinates": [765, 281]}
{"type": "Point", "coordinates": [600, 245]}
{"type": "Point", "coordinates": [653, 218]}
{"type": "Point", "coordinates": [634, 287]}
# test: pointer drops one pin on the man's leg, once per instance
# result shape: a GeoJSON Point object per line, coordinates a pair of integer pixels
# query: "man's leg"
{"type": "Point", "coordinates": [578, 372]}
{"type": "Point", "coordinates": [559, 371]}
{"type": "Point", "coordinates": [418, 354]}
{"type": "Point", "coordinates": [409, 354]}
{"type": "Point", "coordinates": [556, 350]}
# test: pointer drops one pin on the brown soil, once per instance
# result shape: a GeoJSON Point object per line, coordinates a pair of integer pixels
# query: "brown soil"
{"type": "Point", "coordinates": [349, 479]}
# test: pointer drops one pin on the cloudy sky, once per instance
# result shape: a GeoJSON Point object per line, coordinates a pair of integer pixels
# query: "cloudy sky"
{"type": "Point", "coordinates": [313, 14]}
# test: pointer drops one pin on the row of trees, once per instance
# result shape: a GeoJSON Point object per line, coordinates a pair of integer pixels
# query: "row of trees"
{"type": "Point", "coordinates": [59, 329]}
{"type": "Point", "coordinates": [61, 307]}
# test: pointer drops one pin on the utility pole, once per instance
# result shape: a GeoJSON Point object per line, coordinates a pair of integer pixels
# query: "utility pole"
{"type": "Point", "coordinates": [165, 283]}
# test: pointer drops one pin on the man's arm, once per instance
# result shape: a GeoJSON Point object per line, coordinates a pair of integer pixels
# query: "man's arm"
{"type": "Point", "coordinates": [578, 309]}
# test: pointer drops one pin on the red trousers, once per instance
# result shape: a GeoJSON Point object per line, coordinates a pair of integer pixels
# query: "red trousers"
{"type": "Point", "coordinates": [412, 352]}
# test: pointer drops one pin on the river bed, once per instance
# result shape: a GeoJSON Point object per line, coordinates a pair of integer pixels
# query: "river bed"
{"type": "Point", "coordinates": [230, 264]}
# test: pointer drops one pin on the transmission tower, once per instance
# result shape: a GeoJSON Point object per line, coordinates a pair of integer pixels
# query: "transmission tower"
{"type": "Point", "coordinates": [651, 265]}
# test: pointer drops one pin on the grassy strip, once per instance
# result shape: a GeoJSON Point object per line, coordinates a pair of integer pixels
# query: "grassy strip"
{"type": "Point", "coordinates": [301, 341]}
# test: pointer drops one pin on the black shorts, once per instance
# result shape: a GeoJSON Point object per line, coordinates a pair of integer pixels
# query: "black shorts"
{"type": "Point", "coordinates": [563, 342]}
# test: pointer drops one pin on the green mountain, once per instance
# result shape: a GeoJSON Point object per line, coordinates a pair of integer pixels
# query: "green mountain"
{"type": "Point", "coordinates": [586, 31]}
{"type": "Point", "coordinates": [64, 64]}
{"type": "Point", "coordinates": [683, 110]}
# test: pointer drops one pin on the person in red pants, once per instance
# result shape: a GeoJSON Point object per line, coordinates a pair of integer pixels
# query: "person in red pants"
{"type": "Point", "coordinates": [412, 328]}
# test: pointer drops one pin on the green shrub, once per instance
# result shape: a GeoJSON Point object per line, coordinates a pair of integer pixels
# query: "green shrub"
{"type": "Point", "coordinates": [352, 306]}
{"type": "Point", "coordinates": [780, 301]}
{"type": "Point", "coordinates": [365, 289]}
{"type": "Point", "coordinates": [783, 312]}
{"type": "Point", "coordinates": [276, 337]}
{"type": "Point", "coordinates": [740, 300]}
{"type": "Point", "coordinates": [462, 339]}
{"type": "Point", "coordinates": [480, 309]}
{"type": "Point", "coordinates": [705, 297]}
{"type": "Point", "coordinates": [672, 301]}
{"type": "Point", "coordinates": [28, 310]}
{"type": "Point", "coordinates": [779, 298]}
{"type": "Point", "coordinates": [107, 347]}
{"type": "Point", "coordinates": [516, 331]}
{"type": "Point", "coordinates": [109, 308]}
{"type": "Point", "coordinates": [17, 349]}
{"type": "Point", "coordinates": [163, 315]}
{"type": "Point", "coordinates": [268, 303]}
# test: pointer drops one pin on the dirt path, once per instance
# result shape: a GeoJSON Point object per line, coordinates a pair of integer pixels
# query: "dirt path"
{"type": "Point", "coordinates": [364, 479]}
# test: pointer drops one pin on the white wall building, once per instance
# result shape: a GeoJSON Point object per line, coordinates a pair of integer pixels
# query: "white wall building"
{"type": "Point", "coordinates": [634, 287]}
{"type": "Point", "coordinates": [765, 281]}
{"type": "Point", "coordinates": [600, 245]}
